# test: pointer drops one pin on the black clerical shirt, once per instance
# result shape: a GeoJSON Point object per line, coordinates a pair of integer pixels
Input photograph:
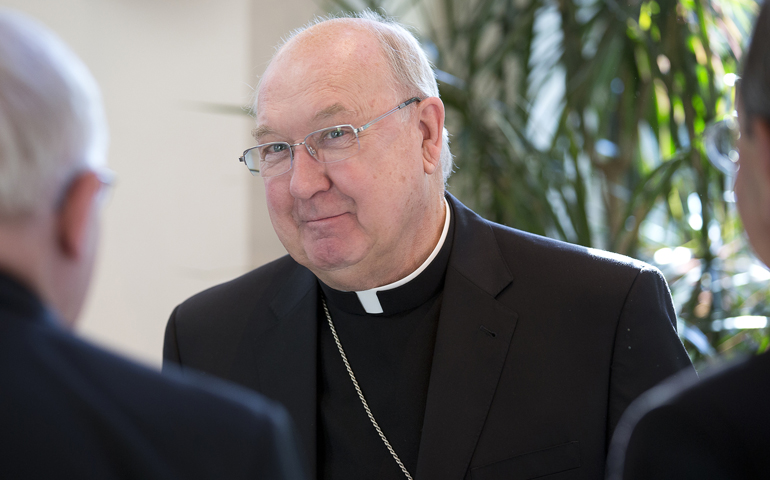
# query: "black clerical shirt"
{"type": "Point", "coordinates": [391, 356]}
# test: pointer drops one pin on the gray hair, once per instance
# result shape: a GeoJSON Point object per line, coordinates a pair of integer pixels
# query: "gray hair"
{"type": "Point", "coordinates": [52, 122]}
{"type": "Point", "coordinates": [412, 72]}
{"type": "Point", "coordinates": [754, 85]}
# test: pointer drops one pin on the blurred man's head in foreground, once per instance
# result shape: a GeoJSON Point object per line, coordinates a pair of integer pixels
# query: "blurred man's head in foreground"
{"type": "Point", "coordinates": [53, 143]}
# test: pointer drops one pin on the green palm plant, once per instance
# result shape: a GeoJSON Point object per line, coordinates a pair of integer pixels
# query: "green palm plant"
{"type": "Point", "coordinates": [583, 120]}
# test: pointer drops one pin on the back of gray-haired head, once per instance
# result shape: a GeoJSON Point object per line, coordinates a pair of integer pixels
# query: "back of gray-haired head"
{"type": "Point", "coordinates": [52, 122]}
{"type": "Point", "coordinates": [755, 79]}
{"type": "Point", "coordinates": [411, 69]}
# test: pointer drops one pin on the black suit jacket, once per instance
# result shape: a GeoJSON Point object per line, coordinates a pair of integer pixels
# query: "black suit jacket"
{"type": "Point", "coordinates": [69, 410]}
{"type": "Point", "coordinates": [718, 428]}
{"type": "Point", "coordinates": [540, 347]}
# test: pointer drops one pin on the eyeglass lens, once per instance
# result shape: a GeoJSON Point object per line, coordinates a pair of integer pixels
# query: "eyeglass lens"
{"type": "Point", "coordinates": [329, 145]}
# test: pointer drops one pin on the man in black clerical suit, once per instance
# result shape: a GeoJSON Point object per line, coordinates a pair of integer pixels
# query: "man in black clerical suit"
{"type": "Point", "coordinates": [69, 410]}
{"type": "Point", "coordinates": [407, 336]}
{"type": "Point", "coordinates": [718, 428]}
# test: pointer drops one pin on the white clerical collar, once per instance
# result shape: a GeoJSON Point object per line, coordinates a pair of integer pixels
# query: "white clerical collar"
{"type": "Point", "coordinates": [368, 298]}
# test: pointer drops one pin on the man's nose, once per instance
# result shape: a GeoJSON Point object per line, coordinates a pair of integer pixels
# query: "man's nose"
{"type": "Point", "coordinates": [308, 175]}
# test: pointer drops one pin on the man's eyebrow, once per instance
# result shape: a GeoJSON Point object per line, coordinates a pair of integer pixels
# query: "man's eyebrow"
{"type": "Point", "coordinates": [261, 131]}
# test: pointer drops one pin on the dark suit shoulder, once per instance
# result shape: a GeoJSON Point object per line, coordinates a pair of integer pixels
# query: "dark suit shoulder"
{"type": "Point", "coordinates": [732, 403]}
{"type": "Point", "coordinates": [106, 417]}
{"type": "Point", "coordinates": [566, 257]}
{"type": "Point", "coordinates": [541, 265]}
{"type": "Point", "coordinates": [205, 330]}
{"type": "Point", "coordinates": [549, 265]}
{"type": "Point", "coordinates": [744, 382]}
{"type": "Point", "coordinates": [715, 428]}
{"type": "Point", "coordinates": [261, 281]}
{"type": "Point", "coordinates": [725, 394]}
{"type": "Point", "coordinates": [233, 300]}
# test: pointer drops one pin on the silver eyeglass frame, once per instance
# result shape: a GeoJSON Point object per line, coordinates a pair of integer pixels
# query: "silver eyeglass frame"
{"type": "Point", "coordinates": [310, 150]}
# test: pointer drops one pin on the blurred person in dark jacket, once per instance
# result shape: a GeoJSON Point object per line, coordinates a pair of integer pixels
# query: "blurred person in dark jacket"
{"type": "Point", "coordinates": [718, 428]}
{"type": "Point", "coordinates": [67, 408]}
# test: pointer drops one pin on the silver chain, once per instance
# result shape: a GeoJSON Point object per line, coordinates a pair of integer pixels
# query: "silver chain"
{"type": "Point", "coordinates": [360, 393]}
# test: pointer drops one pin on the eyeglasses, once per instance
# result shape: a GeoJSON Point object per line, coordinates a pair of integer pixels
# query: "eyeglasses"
{"type": "Point", "coordinates": [720, 139]}
{"type": "Point", "coordinates": [327, 145]}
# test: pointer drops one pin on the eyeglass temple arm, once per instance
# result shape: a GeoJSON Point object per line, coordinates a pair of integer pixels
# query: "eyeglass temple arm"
{"type": "Point", "coordinates": [406, 103]}
{"type": "Point", "coordinates": [242, 159]}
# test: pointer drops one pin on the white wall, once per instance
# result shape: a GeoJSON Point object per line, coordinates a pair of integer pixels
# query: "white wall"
{"type": "Point", "coordinates": [184, 215]}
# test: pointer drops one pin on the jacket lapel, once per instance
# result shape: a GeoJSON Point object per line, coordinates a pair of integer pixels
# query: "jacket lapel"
{"type": "Point", "coordinates": [285, 354]}
{"type": "Point", "coordinates": [472, 341]}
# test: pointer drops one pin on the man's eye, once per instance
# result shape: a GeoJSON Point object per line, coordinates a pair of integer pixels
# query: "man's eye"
{"type": "Point", "coordinates": [336, 133]}
{"type": "Point", "coordinates": [274, 151]}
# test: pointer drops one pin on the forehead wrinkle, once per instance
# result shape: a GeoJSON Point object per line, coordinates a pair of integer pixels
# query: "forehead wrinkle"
{"type": "Point", "coordinates": [325, 113]}
{"type": "Point", "coordinates": [331, 111]}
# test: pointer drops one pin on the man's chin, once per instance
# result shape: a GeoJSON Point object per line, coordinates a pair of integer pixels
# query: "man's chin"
{"type": "Point", "coordinates": [329, 264]}
{"type": "Point", "coordinates": [336, 269]}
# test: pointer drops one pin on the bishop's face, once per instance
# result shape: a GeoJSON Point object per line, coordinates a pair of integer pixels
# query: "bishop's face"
{"type": "Point", "coordinates": [355, 223]}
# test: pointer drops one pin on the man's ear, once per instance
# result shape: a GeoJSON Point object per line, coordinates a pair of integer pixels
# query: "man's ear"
{"type": "Point", "coordinates": [76, 214]}
{"type": "Point", "coordinates": [431, 111]}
